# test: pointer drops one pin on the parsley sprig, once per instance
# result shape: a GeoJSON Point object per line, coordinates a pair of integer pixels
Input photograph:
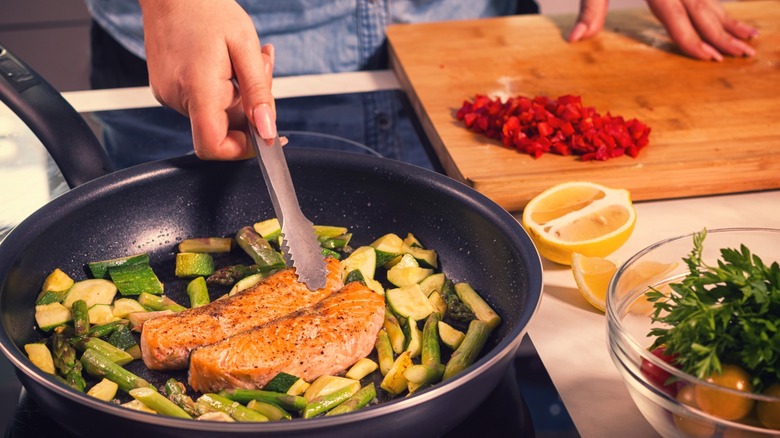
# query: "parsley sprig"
{"type": "Point", "coordinates": [724, 314]}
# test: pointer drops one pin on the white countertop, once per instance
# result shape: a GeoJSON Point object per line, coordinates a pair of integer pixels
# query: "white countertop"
{"type": "Point", "coordinates": [588, 382]}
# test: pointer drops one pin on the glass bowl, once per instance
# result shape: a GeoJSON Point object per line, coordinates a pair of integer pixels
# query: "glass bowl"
{"type": "Point", "coordinates": [664, 394]}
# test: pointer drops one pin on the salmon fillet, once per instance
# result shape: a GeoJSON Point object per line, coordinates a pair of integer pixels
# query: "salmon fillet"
{"type": "Point", "coordinates": [166, 341]}
{"type": "Point", "coordinates": [323, 339]}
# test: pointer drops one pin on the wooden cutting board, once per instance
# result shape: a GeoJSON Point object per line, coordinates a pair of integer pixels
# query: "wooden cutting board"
{"type": "Point", "coordinates": [715, 126]}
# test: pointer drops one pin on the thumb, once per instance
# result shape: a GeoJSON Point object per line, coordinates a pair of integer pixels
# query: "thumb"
{"type": "Point", "coordinates": [254, 74]}
{"type": "Point", "coordinates": [590, 20]}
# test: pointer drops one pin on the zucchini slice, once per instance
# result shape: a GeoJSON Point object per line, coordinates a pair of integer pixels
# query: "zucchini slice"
{"type": "Point", "coordinates": [362, 368]}
{"type": "Point", "coordinates": [55, 287]}
{"type": "Point", "coordinates": [325, 232]}
{"type": "Point", "coordinates": [100, 268]}
{"type": "Point", "coordinates": [100, 314]}
{"type": "Point", "coordinates": [432, 283]}
{"type": "Point", "coordinates": [281, 382]}
{"type": "Point", "coordinates": [438, 303]}
{"type": "Point", "coordinates": [363, 259]}
{"type": "Point", "coordinates": [394, 332]}
{"type": "Point", "coordinates": [450, 336]}
{"type": "Point", "coordinates": [92, 291]}
{"type": "Point", "coordinates": [411, 241]}
{"type": "Point", "coordinates": [427, 258]}
{"type": "Point", "coordinates": [413, 337]}
{"type": "Point", "coordinates": [388, 247]}
{"type": "Point", "coordinates": [40, 355]}
{"type": "Point", "coordinates": [270, 229]}
{"type": "Point", "coordinates": [402, 277]}
{"type": "Point", "coordinates": [394, 381]}
{"type": "Point", "coordinates": [126, 306]}
{"type": "Point", "coordinates": [104, 390]}
{"type": "Point", "coordinates": [194, 264]}
{"type": "Point", "coordinates": [409, 302]}
{"type": "Point", "coordinates": [134, 279]}
{"type": "Point", "coordinates": [299, 387]}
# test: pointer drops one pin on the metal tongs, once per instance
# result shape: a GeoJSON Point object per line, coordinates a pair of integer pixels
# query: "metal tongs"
{"type": "Point", "coordinates": [299, 242]}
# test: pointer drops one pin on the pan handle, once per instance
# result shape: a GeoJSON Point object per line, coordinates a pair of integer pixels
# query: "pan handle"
{"type": "Point", "coordinates": [61, 129]}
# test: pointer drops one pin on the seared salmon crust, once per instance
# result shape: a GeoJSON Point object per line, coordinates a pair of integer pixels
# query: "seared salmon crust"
{"type": "Point", "coordinates": [323, 339]}
{"type": "Point", "coordinates": [166, 341]}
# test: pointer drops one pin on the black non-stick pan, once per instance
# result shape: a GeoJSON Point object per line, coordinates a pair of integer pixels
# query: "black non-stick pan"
{"type": "Point", "coordinates": [151, 207]}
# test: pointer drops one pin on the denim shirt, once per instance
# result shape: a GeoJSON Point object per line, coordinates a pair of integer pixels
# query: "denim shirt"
{"type": "Point", "coordinates": [314, 36]}
{"type": "Point", "coordinates": [311, 37]}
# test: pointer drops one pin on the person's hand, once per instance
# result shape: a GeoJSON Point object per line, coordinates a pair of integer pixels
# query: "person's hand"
{"type": "Point", "coordinates": [194, 49]}
{"type": "Point", "coordinates": [700, 28]}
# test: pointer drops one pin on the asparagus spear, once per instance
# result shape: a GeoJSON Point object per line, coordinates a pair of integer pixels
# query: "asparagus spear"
{"type": "Point", "coordinates": [431, 352]}
{"type": "Point", "coordinates": [270, 410]}
{"type": "Point", "coordinates": [291, 402]}
{"type": "Point", "coordinates": [177, 393]}
{"type": "Point", "coordinates": [159, 302]}
{"type": "Point", "coordinates": [198, 292]}
{"type": "Point", "coordinates": [236, 410]}
{"type": "Point", "coordinates": [335, 242]}
{"type": "Point", "coordinates": [64, 356]}
{"type": "Point", "coordinates": [327, 402]}
{"type": "Point", "coordinates": [456, 309]}
{"type": "Point", "coordinates": [156, 401]}
{"type": "Point", "coordinates": [424, 374]}
{"type": "Point", "coordinates": [80, 317]}
{"type": "Point", "coordinates": [112, 353]}
{"type": "Point", "coordinates": [468, 350]}
{"type": "Point", "coordinates": [330, 253]}
{"type": "Point", "coordinates": [384, 351]}
{"type": "Point", "coordinates": [258, 248]}
{"type": "Point", "coordinates": [206, 244]}
{"type": "Point", "coordinates": [394, 332]}
{"type": "Point", "coordinates": [228, 275]}
{"type": "Point", "coordinates": [477, 304]}
{"type": "Point", "coordinates": [357, 401]}
{"type": "Point", "coordinates": [103, 330]}
{"type": "Point", "coordinates": [98, 365]}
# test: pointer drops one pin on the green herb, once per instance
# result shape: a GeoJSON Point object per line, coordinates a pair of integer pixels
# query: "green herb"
{"type": "Point", "coordinates": [724, 314]}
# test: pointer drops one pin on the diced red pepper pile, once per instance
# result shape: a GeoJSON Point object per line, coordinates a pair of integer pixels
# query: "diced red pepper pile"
{"type": "Point", "coordinates": [562, 126]}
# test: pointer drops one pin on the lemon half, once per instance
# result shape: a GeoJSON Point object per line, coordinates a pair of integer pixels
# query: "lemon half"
{"type": "Point", "coordinates": [582, 217]}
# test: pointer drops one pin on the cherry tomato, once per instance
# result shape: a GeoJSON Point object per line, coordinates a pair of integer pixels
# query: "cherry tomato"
{"type": "Point", "coordinates": [656, 375]}
{"type": "Point", "coordinates": [769, 411]}
{"type": "Point", "coordinates": [720, 403]}
{"type": "Point", "coordinates": [692, 427]}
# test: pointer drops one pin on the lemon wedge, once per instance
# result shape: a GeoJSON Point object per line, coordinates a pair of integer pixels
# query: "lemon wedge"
{"type": "Point", "coordinates": [640, 277]}
{"type": "Point", "coordinates": [592, 275]}
{"type": "Point", "coordinates": [582, 217]}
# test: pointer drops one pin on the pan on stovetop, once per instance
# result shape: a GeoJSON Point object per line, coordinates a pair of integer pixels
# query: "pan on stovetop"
{"type": "Point", "coordinates": [150, 207]}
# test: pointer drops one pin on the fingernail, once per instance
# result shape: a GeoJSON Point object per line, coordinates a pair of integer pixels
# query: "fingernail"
{"type": "Point", "coordinates": [577, 32]}
{"type": "Point", "coordinates": [263, 118]}
{"type": "Point", "coordinates": [747, 49]}
{"type": "Point", "coordinates": [713, 54]}
{"type": "Point", "coordinates": [753, 35]}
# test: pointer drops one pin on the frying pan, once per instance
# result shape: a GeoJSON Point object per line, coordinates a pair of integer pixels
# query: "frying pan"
{"type": "Point", "coordinates": [153, 206]}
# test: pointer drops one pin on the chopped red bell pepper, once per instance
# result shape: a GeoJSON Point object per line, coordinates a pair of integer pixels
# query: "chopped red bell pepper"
{"type": "Point", "coordinates": [562, 126]}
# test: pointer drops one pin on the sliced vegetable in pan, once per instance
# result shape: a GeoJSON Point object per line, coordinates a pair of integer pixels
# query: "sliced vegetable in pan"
{"type": "Point", "coordinates": [434, 328]}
